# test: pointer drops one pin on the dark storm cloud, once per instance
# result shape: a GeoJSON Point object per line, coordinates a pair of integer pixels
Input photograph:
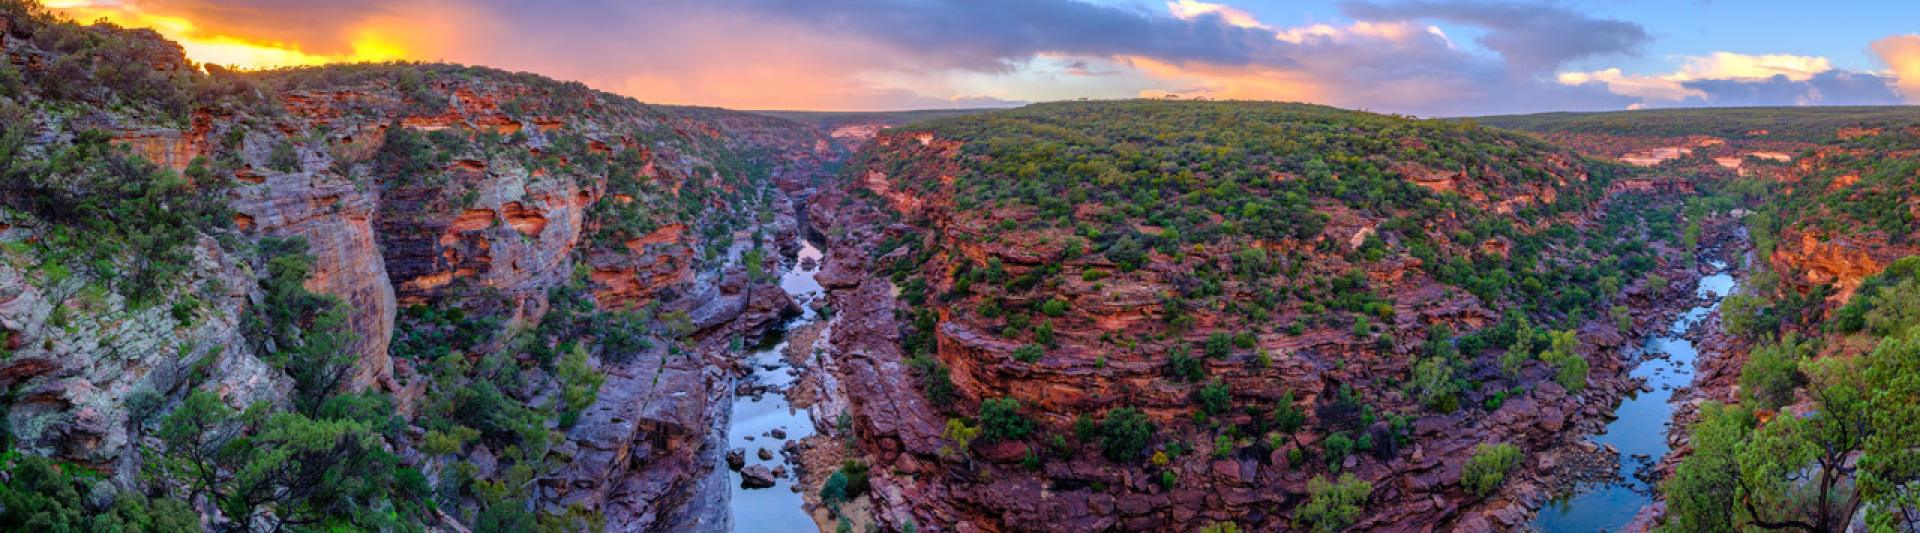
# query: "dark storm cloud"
{"type": "Point", "coordinates": [1533, 37]}
{"type": "Point", "coordinates": [1833, 87]}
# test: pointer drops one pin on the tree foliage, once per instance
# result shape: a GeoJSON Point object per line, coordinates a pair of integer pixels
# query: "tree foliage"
{"type": "Point", "coordinates": [1333, 506]}
{"type": "Point", "coordinates": [1489, 467]}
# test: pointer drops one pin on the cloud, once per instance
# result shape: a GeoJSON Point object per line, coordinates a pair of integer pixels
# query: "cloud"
{"type": "Point", "coordinates": [893, 54]}
{"type": "Point", "coordinates": [1833, 87]}
{"type": "Point", "coordinates": [1190, 9]}
{"type": "Point", "coordinates": [1731, 79]}
{"type": "Point", "coordinates": [1725, 65]}
{"type": "Point", "coordinates": [322, 28]}
{"type": "Point", "coordinates": [1000, 34]}
{"type": "Point", "coordinates": [259, 33]}
{"type": "Point", "coordinates": [1533, 37]}
{"type": "Point", "coordinates": [1902, 53]}
{"type": "Point", "coordinates": [1642, 87]}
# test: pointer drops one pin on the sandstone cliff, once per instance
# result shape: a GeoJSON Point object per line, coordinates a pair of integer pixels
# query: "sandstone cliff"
{"type": "Point", "coordinates": [468, 193]}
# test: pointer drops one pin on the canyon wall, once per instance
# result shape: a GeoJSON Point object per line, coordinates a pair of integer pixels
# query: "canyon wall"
{"type": "Point", "coordinates": [449, 188]}
{"type": "Point", "coordinates": [1086, 370]}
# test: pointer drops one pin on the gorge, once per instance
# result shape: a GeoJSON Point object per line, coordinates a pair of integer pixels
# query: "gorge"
{"type": "Point", "coordinates": [424, 296]}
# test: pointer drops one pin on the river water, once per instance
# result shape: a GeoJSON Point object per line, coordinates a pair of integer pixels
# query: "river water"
{"type": "Point", "coordinates": [1640, 432]}
{"type": "Point", "coordinates": [777, 509]}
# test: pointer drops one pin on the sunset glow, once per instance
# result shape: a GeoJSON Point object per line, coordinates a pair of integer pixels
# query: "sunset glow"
{"type": "Point", "coordinates": [368, 44]}
{"type": "Point", "coordinates": [1411, 56]}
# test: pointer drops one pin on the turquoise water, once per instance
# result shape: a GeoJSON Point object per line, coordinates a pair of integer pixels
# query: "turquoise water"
{"type": "Point", "coordinates": [776, 509]}
{"type": "Point", "coordinates": [1640, 432]}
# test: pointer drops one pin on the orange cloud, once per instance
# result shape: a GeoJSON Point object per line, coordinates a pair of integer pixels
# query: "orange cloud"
{"type": "Point", "coordinates": [1902, 53]}
{"type": "Point", "coordinates": [371, 41]}
{"type": "Point", "coordinates": [1225, 82]}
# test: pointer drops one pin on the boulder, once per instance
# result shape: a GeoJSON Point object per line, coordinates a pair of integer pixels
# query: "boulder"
{"type": "Point", "coordinates": [756, 477]}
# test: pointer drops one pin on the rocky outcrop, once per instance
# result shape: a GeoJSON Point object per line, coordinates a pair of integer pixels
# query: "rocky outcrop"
{"type": "Point", "coordinates": [1807, 258]}
{"type": "Point", "coordinates": [89, 371]}
{"type": "Point", "coordinates": [448, 187]}
{"type": "Point", "coordinates": [336, 218]}
{"type": "Point", "coordinates": [931, 484]}
{"type": "Point", "coordinates": [637, 451]}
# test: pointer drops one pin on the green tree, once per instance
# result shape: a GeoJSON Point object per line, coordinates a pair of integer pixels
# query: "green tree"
{"type": "Point", "coordinates": [1215, 398]}
{"type": "Point", "coordinates": [1124, 433]}
{"type": "Point", "coordinates": [1333, 506]}
{"type": "Point", "coordinates": [1772, 372]}
{"type": "Point", "coordinates": [1489, 467]}
{"type": "Point", "coordinates": [1746, 315]}
{"type": "Point", "coordinates": [1570, 369]}
{"type": "Point", "coordinates": [1029, 353]}
{"type": "Point", "coordinates": [41, 495]}
{"type": "Point", "coordinates": [1702, 492]}
{"type": "Point", "coordinates": [1054, 307]}
{"type": "Point", "coordinates": [1000, 420]}
{"type": "Point", "coordinates": [1521, 349]}
{"type": "Point", "coordinates": [1287, 417]}
{"type": "Point", "coordinates": [1338, 446]}
{"type": "Point", "coordinates": [1794, 472]}
{"type": "Point", "coordinates": [1432, 384]}
{"type": "Point", "coordinates": [304, 333]}
{"type": "Point", "coordinates": [580, 385]}
{"type": "Point", "coordinates": [283, 468]}
{"type": "Point", "coordinates": [1890, 466]}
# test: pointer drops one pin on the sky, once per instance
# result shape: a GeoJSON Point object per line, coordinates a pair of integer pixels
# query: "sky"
{"type": "Point", "coordinates": [1416, 57]}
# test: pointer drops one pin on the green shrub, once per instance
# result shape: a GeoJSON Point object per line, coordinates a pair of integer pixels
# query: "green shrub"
{"type": "Point", "coordinates": [1124, 433]}
{"type": "Point", "coordinates": [1287, 417]}
{"type": "Point", "coordinates": [1182, 367]}
{"type": "Point", "coordinates": [41, 495]}
{"type": "Point", "coordinates": [1222, 447]}
{"type": "Point", "coordinates": [1219, 345]}
{"type": "Point", "coordinates": [580, 385]}
{"type": "Point", "coordinates": [1657, 283]}
{"type": "Point", "coordinates": [834, 491]}
{"type": "Point", "coordinates": [1488, 468]}
{"type": "Point", "coordinates": [1000, 420]}
{"type": "Point", "coordinates": [1433, 384]}
{"type": "Point", "coordinates": [1029, 353]}
{"type": "Point", "coordinates": [935, 379]}
{"type": "Point", "coordinates": [1338, 447]}
{"type": "Point", "coordinates": [285, 158]}
{"type": "Point", "coordinates": [1333, 506]}
{"type": "Point", "coordinates": [1747, 315]}
{"type": "Point", "coordinates": [1054, 308]}
{"type": "Point", "coordinates": [1570, 369]}
{"type": "Point", "coordinates": [1215, 398]}
{"type": "Point", "coordinates": [1772, 372]}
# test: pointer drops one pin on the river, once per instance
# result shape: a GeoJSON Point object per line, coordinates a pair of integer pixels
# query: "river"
{"type": "Point", "coordinates": [1640, 431]}
{"type": "Point", "coordinates": [779, 508]}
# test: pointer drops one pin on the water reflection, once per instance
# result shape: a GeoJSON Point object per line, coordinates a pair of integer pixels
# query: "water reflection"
{"type": "Point", "coordinates": [779, 508]}
{"type": "Point", "coordinates": [1640, 432]}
